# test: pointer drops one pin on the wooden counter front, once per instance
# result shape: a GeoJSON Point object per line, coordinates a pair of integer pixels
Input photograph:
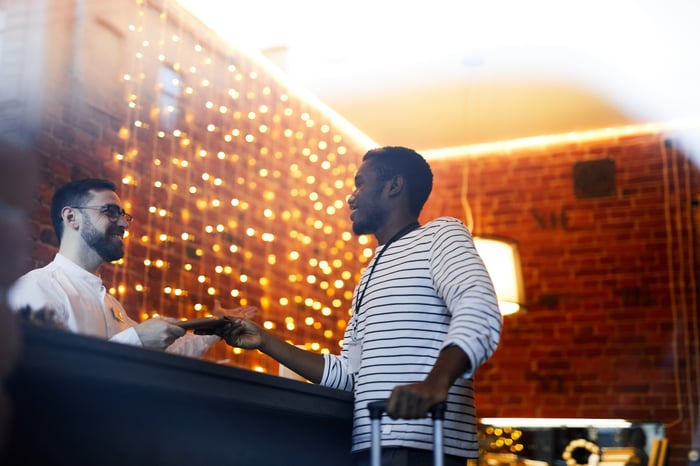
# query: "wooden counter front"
{"type": "Point", "coordinates": [83, 401]}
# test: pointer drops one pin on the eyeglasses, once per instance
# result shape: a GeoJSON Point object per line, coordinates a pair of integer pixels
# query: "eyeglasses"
{"type": "Point", "coordinates": [111, 211]}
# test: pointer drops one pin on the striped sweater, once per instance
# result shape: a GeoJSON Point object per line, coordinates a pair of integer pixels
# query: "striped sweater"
{"type": "Point", "coordinates": [430, 289]}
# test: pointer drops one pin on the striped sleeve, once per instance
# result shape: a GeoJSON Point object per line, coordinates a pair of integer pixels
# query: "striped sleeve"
{"type": "Point", "coordinates": [462, 281]}
{"type": "Point", "coordinates": [336, 370]}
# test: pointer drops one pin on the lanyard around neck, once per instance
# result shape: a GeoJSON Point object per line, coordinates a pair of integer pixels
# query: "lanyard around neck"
{"type": "Point", "coordinates": [404, 231]}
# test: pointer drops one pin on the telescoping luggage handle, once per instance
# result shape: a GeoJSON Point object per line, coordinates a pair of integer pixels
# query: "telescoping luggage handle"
{"type": "Point", "coordinates": [376, 410]}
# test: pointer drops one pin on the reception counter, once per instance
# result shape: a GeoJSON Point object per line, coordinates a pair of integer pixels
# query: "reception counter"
{"type": "Point", "coordinates": [83, 401]}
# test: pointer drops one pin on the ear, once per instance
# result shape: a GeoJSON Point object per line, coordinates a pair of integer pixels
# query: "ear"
{"type": "Point", "coordinates": [396, 185]}
{"type": "Point", "coordinates": [70, 217]}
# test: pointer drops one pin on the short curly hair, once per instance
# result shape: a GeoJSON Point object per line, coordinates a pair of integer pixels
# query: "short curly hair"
{"type": "Point", "coordinates": [390, 161]}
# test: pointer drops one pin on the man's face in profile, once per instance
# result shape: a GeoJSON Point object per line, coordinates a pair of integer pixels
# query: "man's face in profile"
{"type": "Point", "coordinates": [104, 235]}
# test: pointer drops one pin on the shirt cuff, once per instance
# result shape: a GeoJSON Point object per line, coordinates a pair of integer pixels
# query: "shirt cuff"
{"type": "Point", "coordinates": [127, 337]}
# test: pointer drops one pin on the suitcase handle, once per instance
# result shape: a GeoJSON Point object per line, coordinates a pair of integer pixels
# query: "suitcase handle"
{"type": "Point", "coordinates": [377, 408]}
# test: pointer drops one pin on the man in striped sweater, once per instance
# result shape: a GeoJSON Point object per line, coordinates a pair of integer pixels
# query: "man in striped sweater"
{"type": "Point", "coordinates": [425, 317]}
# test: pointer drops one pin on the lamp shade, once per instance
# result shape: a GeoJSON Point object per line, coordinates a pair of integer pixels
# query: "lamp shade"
{"type": "Point", "coordinates": [502, 260]}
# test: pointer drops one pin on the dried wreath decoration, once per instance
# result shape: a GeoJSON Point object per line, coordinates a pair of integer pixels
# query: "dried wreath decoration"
{"type": "Point", "coordinates": [584, 444]}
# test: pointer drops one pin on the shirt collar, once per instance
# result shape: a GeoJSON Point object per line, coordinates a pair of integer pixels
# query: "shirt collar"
{"type": "Point", "coordinates": [77, 271]}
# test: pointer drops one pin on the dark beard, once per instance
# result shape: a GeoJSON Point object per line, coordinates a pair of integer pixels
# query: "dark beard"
{"type": "Point", "coordinates": [370, 220]}
{"type": "Point", "coordinates": [371, 216]}
{"type": "Point", "coordinates": [369, 224]}
{"type": "Point", "coordinates": [105, 244]}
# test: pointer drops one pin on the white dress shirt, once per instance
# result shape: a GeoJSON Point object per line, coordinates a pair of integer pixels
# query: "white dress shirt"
{"type": "Point", "coordinates": [82, 305]}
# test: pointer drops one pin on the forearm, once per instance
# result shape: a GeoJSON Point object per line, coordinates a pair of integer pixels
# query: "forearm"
{"type": "Point", "coordinates": [305, 363]}
{"type": "Point", "coordinates": [449, 366]}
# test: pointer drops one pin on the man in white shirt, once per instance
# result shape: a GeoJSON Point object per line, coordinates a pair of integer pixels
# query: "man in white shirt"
{"type": "Point", "coordinates": [90, 222]}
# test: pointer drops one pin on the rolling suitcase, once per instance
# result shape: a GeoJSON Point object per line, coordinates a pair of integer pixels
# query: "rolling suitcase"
{"type": "Point", "coordinates": [376, 410]}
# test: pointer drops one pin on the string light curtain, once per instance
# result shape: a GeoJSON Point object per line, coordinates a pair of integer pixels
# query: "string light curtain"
{"type": "Point", "coordinates": [238, 185]}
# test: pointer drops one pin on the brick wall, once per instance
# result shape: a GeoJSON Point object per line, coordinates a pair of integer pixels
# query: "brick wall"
{"type": "Point", "coordinates": [611, 324]}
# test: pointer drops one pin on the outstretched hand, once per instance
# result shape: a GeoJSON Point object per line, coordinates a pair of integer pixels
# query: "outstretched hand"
{"type": "Point", "coordinates": [228, 316]}
{"type": "Point", "coordinates": [243, 333]}
{"type": "Point", "coordinates": [158, 333]}
{"type": "Point", "coordinates": [246, 312]}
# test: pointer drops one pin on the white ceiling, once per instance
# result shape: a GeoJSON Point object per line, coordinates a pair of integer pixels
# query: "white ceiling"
{"type": "Point", "coordinates": [456, 72]}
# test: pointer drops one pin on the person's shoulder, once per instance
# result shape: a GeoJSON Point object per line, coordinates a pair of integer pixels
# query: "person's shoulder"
{"type": "Point", "coordinates": [444, 222]}
{"type": "Point", "coordinates": [32, 276]}
{"type": "Point", "coordinates": [447, 228]}
{"type": "Point", "coordinates": [35, 275]}
{"type": "Point", "coordinates": [35, 286]}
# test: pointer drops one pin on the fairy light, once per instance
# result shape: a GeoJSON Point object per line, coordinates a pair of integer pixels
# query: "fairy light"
{"type": "Point", "coordinates": [225, 146]}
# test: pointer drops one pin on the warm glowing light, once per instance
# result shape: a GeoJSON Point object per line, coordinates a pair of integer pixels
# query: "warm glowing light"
{"type": "Point", "coordinates": [555, 422]}
{"type": "Point", "coordinates": [577, 137]}
{"type": "Point", "coordinates": [250, 169]}
{"type": "Point", "coordinates": [502, 260]}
